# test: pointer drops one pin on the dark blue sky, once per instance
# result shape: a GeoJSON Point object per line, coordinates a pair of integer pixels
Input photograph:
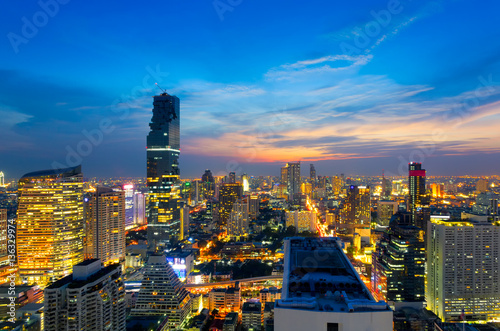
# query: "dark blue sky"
{"type": "Point", "coordinates": [355, 87]}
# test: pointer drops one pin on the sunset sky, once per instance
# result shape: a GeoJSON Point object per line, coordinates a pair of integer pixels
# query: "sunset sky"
{"type": "Point", "coordinates": [352, 87]}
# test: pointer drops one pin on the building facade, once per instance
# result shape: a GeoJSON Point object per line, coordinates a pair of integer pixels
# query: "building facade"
{"type": "Point", "coordinates": [92, 298]}
{"type": "Point", "coordinates": [163, 149]}
{"type": "Point", "coordinates": [49, 224]}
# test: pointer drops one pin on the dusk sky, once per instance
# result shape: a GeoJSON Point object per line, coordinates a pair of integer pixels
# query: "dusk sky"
{"type": "Point", "coordinates": [353, 87]}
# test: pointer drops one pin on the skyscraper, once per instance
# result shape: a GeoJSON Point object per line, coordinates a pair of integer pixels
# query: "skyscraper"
{"type": "Point", "coordinates": [105, 230]}
{"type": "Point", "coordinates": [129, 205]}
{"type": "Point", "coordinates": [163, 149]}
{"type": "Point", "coordinates": [238, 221]}
{"type": "Point", "coordinates": [232, 178]}
{"type": "Point", "coordinates": [312, 173]}
{"type": "Point", "coordinates": [50, 224]}
{"type": "Point", "coordinates": [92, 298]}
{"type": "Point", "coordinates": [208, 184]}
{"type": "Point", "coordinates": [2, 178]}
{"type": "Point", "coordinates": [418, 205]}
{"type": "Point", "coordinates": [290, 176]}
{"type": "Point", "coordinates": [356, 211]}
{"type": "Point", "coordinates": [463, 269]}
{"type": "Point", "coordinates": [3, 232]}
{"type": "Point", "coordinates": [398, 271]}
{"type": "Point", "coordinates": [228, 195]}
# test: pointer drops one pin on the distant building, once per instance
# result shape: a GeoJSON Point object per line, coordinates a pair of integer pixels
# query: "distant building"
{"type": "Point", "coordinates": [239, 220]}
{"type": "Point", "coordinates": [225, 299]}
{"type": "Point", "coordinates": [49, 224]}
{"type": "Point", "coordinates": [385, 210]}
{"type": "Point", "coordinates": [184, 223]}
{"type": "Point", "coordinates": [139, 214]}
{"type": "Point", "coordinates": [486, 204]}
{"type": "Point", "coordinates": [3, 232]}
{"type": "Point", "coordinates": [482, 185]}
{"type": "Point", "coordinates": [290, 176]}
{"type": "Point", "coordinates": [322, 290]}
{"type": "Point", "coordinates": [246, 184]}
{"type": "Point", "coordinates": [162, 293]}
{"type": "Point", "coordinates": [302, 220]}
{"type": "Point", "coordinates": [228, 195]}
{"type": "Point", "coordinates": [356, 211]}
{"type": "Point", "coordinates": [462, 269]}
{"type": "Point", "coordinates": [92, 298]}
{"type": "Point", "coordinates": [105, 226]}
{"type": "Point", "coordinates": [253, 206]}
{"type": "Point", "coordinates": [386, 189]}
{"type": "Point", "coordinates": [251, 315]}
{"type": "Point", "coordinates": [312, 174]}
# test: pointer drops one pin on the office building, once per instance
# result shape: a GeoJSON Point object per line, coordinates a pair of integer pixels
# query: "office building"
{"type": "Point", "coordinates": [49, 224]}
{"type": "Point", "coordinates": [231, 322]}
{"type": "Point", "coordinates": [463, 263]}
{"type": "Point", "coordinates": [208, 185]}
{"type": "Point", "coordinates": [139, 209]}
{"type": "Point", "coordinates": [2, 179]}
{"type": "Point", "coordinates": [129, 206]}
{"type": "Point", "coordinates": [239, 220]}
{"type": "Point", "coordinates": [398, 264]}
{"type": "Point", "coordinates": [290, 176]}
{"type": "Point", "coordinates": [419, 200]}
{"type": "Point", "coordinates": [385, 210]}
{"type": "Point", "coordinates": [437, 190]}
{"type": "Point", "coordinates": [184, 223]}
{"type": "Point", "coordinates": [486, 204]}
{"type": "Point", "coordinates": [356, 211]}
{"type": "Point", "coordinates": [228, 195]}
{"type": "Point", "coordinates": [162, 293]}
{"type": "Point", "coordinates": [312, 174]}
{"type": "Point", "coordinates": [482, 185]}
{"type": "Point", "coordinates": [245, 182]}
{"type": "Point", "coordinates": [322, 291]}
{"type": "Point", "coordinates": [269, 295]}
{"type": "Point", "coordinates": [163, 149]}
{"type": "Point", "coordinates": [232, 178]}
{"type": "Point", "coordinates": [302, 220]}
{"type": "Point", "coordinates": [92, 298]}
{"type": "Point", "coordinates": [105, 226]}
{"type": "Point", "coordinates": [253, 206]}
{"type": "Point", "coordinates": [337, 185]}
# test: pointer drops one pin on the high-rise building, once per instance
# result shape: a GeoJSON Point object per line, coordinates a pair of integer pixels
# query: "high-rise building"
{"type": "Point", "coordinates": [437, 190]}
{"type": "Point", "coordinates": [246, 184]}
{"type": "Point", "coordinates": [162, 293]}
{"type": "Point", "coordinates": [139, 209]}
{"type": "Point", "coordinates": [238, 222]}
{"type": "Point", "coordinates": [322, 291]}
{"type": "Point", "coordinates": [290, 176]}
{"type": "Point", "coordinates": [105, 230]}
{"type": "Point", "coordinates": [208, 184]}
{"type": "Point", "coordinates": [184, 223]}
{"type": "Point", "coordinates": [129, 205]}
{"type": "Point", "coordinates": [163, 149]}
{"type": "Point", "coordinates": [356, 211]}
{"type": "Point", "coordinates": [463, 266]}
{"type": "Point", "coordinates": [486, 204]}
{"type": "Point", "coordinates": [482, 185]}
{"type": "Point", "coordinates": [398, 272]}
{"type": "Point", "coordinates": [386, 189]}
{"type": "Point", "coordinates": [49, 224]}
{"type": "Point", "coordinates": [312, 173]}
{"type": "Point", "coordinates": [92, 298]}
{"type": "Point", "coordinates": [385, 210]}
{"type": "Point", "coordinates": [253, 206]}
{"type": "Point", "coordinates": [419, 200]}
{"type": "Point", "coordinates": [2, 178]}
{"type": "Point", "coordinates": [228, 195]}
{"type": "Point", "coordinates": [337, 185]}
{"type": "Point", "coordinates": [232, 178]}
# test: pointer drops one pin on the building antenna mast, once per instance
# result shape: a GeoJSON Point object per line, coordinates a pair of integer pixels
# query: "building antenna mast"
{"type": "Point", "coordinates": [163, 90]}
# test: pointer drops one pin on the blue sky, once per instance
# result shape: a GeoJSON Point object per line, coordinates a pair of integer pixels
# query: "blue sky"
{"type": "Point", "coordinates": [354, 87]}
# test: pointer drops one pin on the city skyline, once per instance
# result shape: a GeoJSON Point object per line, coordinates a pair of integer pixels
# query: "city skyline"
{"type": "Point", "coordinates": [416, 88]}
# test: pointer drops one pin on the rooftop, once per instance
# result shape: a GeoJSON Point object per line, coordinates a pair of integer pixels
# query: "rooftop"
{"type": "Point", "coordinates": [67, 172]}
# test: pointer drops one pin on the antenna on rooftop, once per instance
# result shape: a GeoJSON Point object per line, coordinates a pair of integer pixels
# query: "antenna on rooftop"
{"type": "Point", "coordinates": [163, 90]}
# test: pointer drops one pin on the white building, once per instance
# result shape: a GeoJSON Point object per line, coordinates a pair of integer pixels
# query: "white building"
{"type": "Point", "coordinates": [92, 298]}
{"type": "Point", "coordinates": [463, 269]}
{"type": "Point", "coordinates": [322, 291]}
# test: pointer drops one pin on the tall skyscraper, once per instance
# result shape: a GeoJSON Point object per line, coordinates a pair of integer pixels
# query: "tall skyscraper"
{"type": "Point", "coordinates": [228, 195]}
{"type": "Point", "coordinates": [232, 178]}
{"type": "Point", "coordinates": [419, 201]}
{"type": "Point", "coordinates": [129, 206]}
{"type": "Point", "coordinates": [463, 266]}
{"type": "Point", "coordinates": [163, 149]}
{"type": "Point", "coordinates": [49, 224]}
{"type": "Point", "coordinates": [312, 173]}
{"type": "Point", "coordinates": [208, 185]}
{"type": "Point", "coordinates": [105, 230]}
{"type": "Point", "coordinates": [162, 293]}
{"type": "Point", "coordinates": [322, 291]}
{"type": "Point", "coordinates": [386, 189]}
{"type": "Point", "coordinates": [2, 178]}
{"type": "Point", "coordinates": [238, 221]}
{"type": "Point", "coordinates": [356, 210]}
{"type": "Point", "coordinates": [290, 176]}
{"type": "Point", "coordinates": [398, 272]}
{"type": "Point", "coordinates": [139, 209]}
{"type": "Point", "coordinates": [246, 184]}
{"type": "Point", "coordinates": [92, 298]}
{"type": "Point", "coordinates": [184, 223]}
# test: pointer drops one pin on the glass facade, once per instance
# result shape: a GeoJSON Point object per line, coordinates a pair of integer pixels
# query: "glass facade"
{"type": "Point", "coordinates": [163, 149]}
{"type": "Point", "coordinates": [50, 224]}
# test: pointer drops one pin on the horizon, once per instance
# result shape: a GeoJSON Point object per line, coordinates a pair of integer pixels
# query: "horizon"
{"type": "Point", "coordinates": [351, 90]}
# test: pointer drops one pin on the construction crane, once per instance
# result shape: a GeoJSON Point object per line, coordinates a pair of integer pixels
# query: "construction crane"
{"type": "Point", "coordinates": [163, 90]}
